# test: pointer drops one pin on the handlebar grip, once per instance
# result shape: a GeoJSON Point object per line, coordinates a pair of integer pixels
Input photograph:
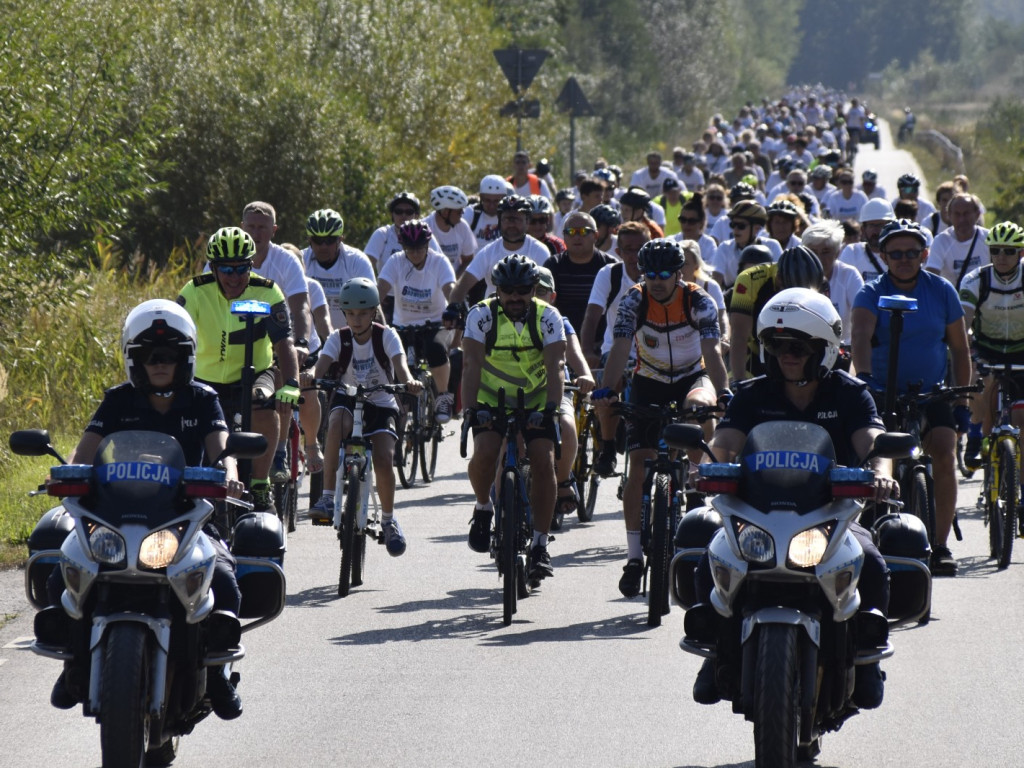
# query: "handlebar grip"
{"type": "Point", "coordinates": [464, 437]}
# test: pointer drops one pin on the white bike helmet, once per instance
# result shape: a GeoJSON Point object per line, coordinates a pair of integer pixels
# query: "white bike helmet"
{"type": "Point", "coordinates": [495, 185]}
{"type": "Point", "coordinates": [541, 206]}
{"type": "Point", "coordinates": [800, 314]}
{"type": "Point", "coordinates": [158, 324]}
{"type": "Point", "coordinates": [448, 197]}
{"type": "Point", "coordinates": [876, 209]}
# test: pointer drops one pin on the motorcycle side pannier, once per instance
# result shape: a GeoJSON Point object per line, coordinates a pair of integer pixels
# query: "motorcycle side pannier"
{"type": "Point", "coordinates": [259, 536]}
{"type": "Point", "coordinates": [903, 541]}
{"type": "Point", "coordinates": [694, 533]}
{"type": "Point", "coordinates": [48, 536]}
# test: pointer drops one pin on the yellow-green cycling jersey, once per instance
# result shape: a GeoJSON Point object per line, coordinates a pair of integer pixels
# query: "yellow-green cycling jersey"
{"type": "Point", "coordinates": [220, 335]}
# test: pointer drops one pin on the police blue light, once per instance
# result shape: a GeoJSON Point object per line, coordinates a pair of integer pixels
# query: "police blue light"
{"type": "Point", "coordinates": [850, 475]}
{"type": "Point", "coordinates": [204, 475]}
{"type": "Point", "coordinates": [250, 307]}
{"type": "Point", "coordinates": [71, 472]}
{"type": "Point", "coordinates": [901, 303]}
{"type": "Point", "coordinates": [719, 470]}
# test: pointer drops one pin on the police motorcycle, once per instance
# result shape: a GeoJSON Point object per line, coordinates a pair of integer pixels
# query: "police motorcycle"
{"type": "Point", "coordinates": [136, 625]}
{"type": "Point", "coordinates": [783, 627]}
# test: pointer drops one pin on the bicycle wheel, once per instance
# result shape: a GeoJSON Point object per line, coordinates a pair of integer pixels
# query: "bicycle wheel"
{"type": "Point", "coordinates": [347, 534]}
{"type": "Point", "coordinates": [282, 493]}
{"type": "Point", "coordinates": [918, 501]}
{"type": "Point", "coordinates": [1009, 497]}
{"type": "Point", "coordinates": [590, 481]}
{"type": "Point", "coordinates": [660, 555]}
{"type": "Point", "coordinates": [508, 545]}
{"type": "Point", "coordinates": [405, 452]}
{"type": "Point", "coordinates": [316, 479]}
{"type": "Point", "coordinates": [293, 505]}
{"type": "Point", "coordinates": [429, 432]}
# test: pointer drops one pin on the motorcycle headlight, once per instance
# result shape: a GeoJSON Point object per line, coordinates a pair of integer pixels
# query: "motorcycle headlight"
{"type": "Point", "coordinates": [756, 544]}
{"type": "Point", "coordinates": [106, 546]}
{"type": "Point", "coordinates": [158, 549]}
{"type": "Point", "coordinates": [808, 547]}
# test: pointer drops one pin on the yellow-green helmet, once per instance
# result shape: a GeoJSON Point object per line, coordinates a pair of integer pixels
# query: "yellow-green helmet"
{"type": "Point", "coordinates": [230, 244]}
{"type": "Point", "coordinates": [1006, 233]}
{"type": "Point", "coordinates": [325, 223]}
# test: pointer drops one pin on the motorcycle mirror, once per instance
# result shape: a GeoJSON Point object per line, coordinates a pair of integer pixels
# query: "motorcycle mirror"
{"type": "Point", "coordinates": [685, 436]}
{"type": "Point", "coordinates": [894, 445]}
{"type": "Point", "coordinates": [244, 445]}
{"type": "Point", "coordinates": [33, 442]}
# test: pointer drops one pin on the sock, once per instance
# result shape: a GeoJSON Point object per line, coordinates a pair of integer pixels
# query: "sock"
{"type": "Point", "coordinates": [257, 483]}
{"type": "Point", "coordinates": [540, 538]}
{"type": "Point", "coordinates": [386, 517]}
{"type": "Point", "coordinates": [328, 494]}
{"type": "Point", "coordinates": [282, 446]}
{"type": "Point", "coordinates": [487, 506]}
{"type": "Point", "coordinates": [975, 429]}
{"type": "Point", "coordinates": [608, 447]}
{"type": "Point", "coordinates": [634, 551]}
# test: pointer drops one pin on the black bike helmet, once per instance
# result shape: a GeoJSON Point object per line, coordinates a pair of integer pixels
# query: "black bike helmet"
{"type": "Point", "coordinates": [661, 255]}
{"type": "Point", "coordinates": [753, 255]}
{"type": "Point", "coordinates": [405, 197]}
{"type": "Point", "coordinates": [902, 227]}
{"type": "Point", "coordinates": [741, 191]}
{"type": "Point", "coordinates": [908, 181]}
{"type": "Point", "coordinates": [514, 270]}
{"type": "Point", "coordinates": [606, 215]}
{"type": "Point", "coordinates": [637, 198]}
{"type": "Point", "coordinates": [799, 267]}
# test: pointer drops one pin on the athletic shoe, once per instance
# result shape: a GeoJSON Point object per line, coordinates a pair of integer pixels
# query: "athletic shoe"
{"type": "Point", "coordinates": [540, 563]}
{"type": "Point", "coordinates": [323, 509]}
{"type": "Point", "coordinates": [943, 563]}
{"type": "Point", "coordinates": [869, 686]}
{"type": "Point", "coordinates": [279, 472]}
{"type": "Point", "coordinates": [60, 696]}
{"type": "Point", "coordinates": [605, 464]}
{"type": "Point", "coordinates": [224, 699]}
{"type": "Point", "coordinates": [972, 452]}
{"type": "Point", "coordinates": [632, 575]}
{"type": "Point", "coordinates": [394, 540]}
{"type": "Point", "coordinates": [480, 530]}
{"type": "Point", "coordinates": [443, 408]}
{"type": "Point", "coordinates": [705, 687]}
{"type": "Point", "coordinates": [262, 500]}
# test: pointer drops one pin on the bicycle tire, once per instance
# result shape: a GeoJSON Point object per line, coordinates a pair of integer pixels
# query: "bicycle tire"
{"type": "Point", "coordinates": [1009, 497]}
{"type": "Point", "coordinates": [592, 481]}
{"type": "Point", "coordinates": [316, 479]}
{"type": "Point", "coordinates": [582, 464]}
{"type": "Point", "coordinates": [508, 548]}
{"type": "Point", "coordinates": [405, 453]}
{"type": "Point", "coordinates": [429, 432]}
{"type": "Point", "coordinates": [293, 505]}
{"type": "Point", "coordinates": [918, 502]}
{"type": "Point", "coordinates": [659, 557]}
{"type": "Point", "coordinates": [347, 534]}
{"type": "Point", "coordinates": [280, 493]}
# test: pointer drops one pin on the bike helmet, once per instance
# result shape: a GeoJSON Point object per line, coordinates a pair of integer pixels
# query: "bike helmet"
{"type": "Point", "coordinates": [515, 204]}
{"type": "Point", "coordinates": [741, 191]}
{"type": "Point", "coordinates": [543, 167]}
{"type": "Point", "coordinates": [606, 215]}
{"type": "Point", "coordinates": [749, 211]}
{"type": "Point", "coordinates": [325, 223]}
{"type": "Point", "coordinates": [514, 270]}
{"type": "Point", "coordinates": [908, 181]}
{"type": "Point", "coordinates": [541, 206]}
{"type": "Point", "coordinates": [753, 255]}
{"type": "Point", "coordinates": [494, 185]}
{"type": "Point", "coordinates": [359, 293]}
{"type": "Point", "coordinates": [405, 197]}
{"type": "Point", "coordinates": [637, 198]}
{"type": "Point", "coordinates": [870, 175]}
{"type": "Point", "coordinates": [617, 171]}
{"type": "Point", "coordinates": [604, 174]}
{"type": "Point", "coordinates": [902, 227]}
{"type": "Point", "coordinates": [446, 197]}
{"type": "Point", "coordinates": [661, 255]}
{"type": "Point", "coordinates": [800, 314]}
{"type": "Point", "coordinates": [565, 194]}
{"type": "Point", "coordinates": [415, 233]}
{"type": "Point", "coordinates": [158, 324]}
{"type": "Point", "coordinates": [876, 209]}
{"type": "Point", "coordinates": [783, 208]}
{"type": "Point", "coordinates": [230, 244]}
{"type": "Point", "coordinates": [821, 172]}
{"type": "Point", "coordinates": [799, 267]}
{"type": "Point", "coordinates": [1006, 233]}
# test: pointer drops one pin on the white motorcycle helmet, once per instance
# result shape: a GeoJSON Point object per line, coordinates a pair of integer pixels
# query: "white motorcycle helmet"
{"type": "Point", "coordinates": [442, 198]}
{"type": "Point", "coordinates": [495, 185]}
{"type": "Point", "coordinates": [800, 314]}
{"type": "Point", "coordinates": [158, 324]}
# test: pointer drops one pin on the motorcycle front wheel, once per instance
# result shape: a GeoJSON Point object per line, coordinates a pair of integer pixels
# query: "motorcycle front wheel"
{"type": "Point", "coordinates": [777, 697]}
{"type": "Point", "coordinates": [124, 697]}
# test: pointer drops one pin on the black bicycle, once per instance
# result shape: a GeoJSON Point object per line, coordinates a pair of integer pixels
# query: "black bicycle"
{"type": "Point", "coordinates": [419, 434]}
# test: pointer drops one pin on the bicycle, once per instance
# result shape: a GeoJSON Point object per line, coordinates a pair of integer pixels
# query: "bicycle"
{"type": "Point", "coordinates": [661, 502]}
{"type": "Point", "coordinates": [1000, 493]}
{"type": "Point", "coordinates": [353, 518]}
{"type": "Point", "coordinates": [420, 434]}
{"type": "Point", "coordinates": [588, 433]}
{"type": "Point", "coordinates": [513, 518]}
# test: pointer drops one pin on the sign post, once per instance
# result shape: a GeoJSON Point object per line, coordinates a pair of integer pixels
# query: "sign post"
{"type": "Point", "coordinates": [572, 100]}
{"type": "Point", "coordinates": [520, 67]}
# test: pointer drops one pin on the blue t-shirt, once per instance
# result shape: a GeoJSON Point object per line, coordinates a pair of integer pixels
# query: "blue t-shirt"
{"type": "Point", "coordinates": [923, 347]}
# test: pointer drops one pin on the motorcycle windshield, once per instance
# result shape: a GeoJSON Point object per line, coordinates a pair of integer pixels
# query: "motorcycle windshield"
{"type": "Point", "coordinates": [138, 478]}
{"type": "Point", "coordinates": [785, 466]}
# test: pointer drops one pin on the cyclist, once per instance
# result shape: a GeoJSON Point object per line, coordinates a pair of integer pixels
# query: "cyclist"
{"type": "Point", "coordinates": [539, 225]}
{"type": "Point", "coordinates": [864, 256]}
{"type": "Point", "coordinates": [672, 326]}
{"type": "Point", "coordinates": [783, 221]}
{"type": "Point", "coordinates": [576, 269]}
{"type": "Point", "coordinates": [691, 224]}
{"type": "Point", "coordinates": [608, 220]}
{"type": "Point", "coordinates": [845, 202]}
{"type": "Point", "coordinates": [422, 281]}
{"type": "Point", "coordinates": [523, 182]}
{"type": "Point", "coordinates": [672, 200]}
{"type": "Point", "coordinates": [738, 193]}
{"type": "Point", "coordinates": [909, 187]}
{"type": "Point", "coordinates": [841, 281]}
{"type": "Point", "coordinates": [513, 340]}
{"type": "Point", "coordinates": [484, 216]}
{"type": "Point", "coordinates": [635, 205]}
{"type": "Point", "coordinates": [331, 262]}
{"type": "Point", "coordinates": [746, 220]}
{"type": "Point", "coordinates": [995, 315]}
{"type": "Point", "coordinates": [869, 185]}
{"type": "Point", "coordinates": [452, 234]}
{"type": "Point", "coordinates": [220, 347]}
{"type": "Point", "coordinates": [367, 354]}
{"type": "Point", "coordinates": [564, 200]}
{"type": "Point", "coordinates": [384, 240]}
{"type": "Point", "coordinates": [799, 332]}
{"type": "Point", "coordinates": [960, 248]}
{"type": "Point", "coordinates": [931, 334]}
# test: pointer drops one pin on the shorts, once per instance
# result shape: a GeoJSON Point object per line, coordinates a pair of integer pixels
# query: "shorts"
{"type": "Point", "coordinates": [646, 433]}
{"type": "Point", "coordinates": [937, 414]}
{"type": "Point", "coordinates": [431, 345]}
{"type": "Point", "coordinates": [546, 432]}
{"type": "Point", "coordinates": [376, 419]}
{"type": "Point", "coordinates": [230, 395]}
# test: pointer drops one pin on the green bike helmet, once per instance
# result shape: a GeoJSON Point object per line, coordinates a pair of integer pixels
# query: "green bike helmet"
{"type": "Point", "coordinates": [1006, 233]}
{"type": "Point", "coordinates": [230, 244]}
{"type": "Point", "coordinates": [359, 293]}
{"type": "Point", "coordinates": [325, 223]}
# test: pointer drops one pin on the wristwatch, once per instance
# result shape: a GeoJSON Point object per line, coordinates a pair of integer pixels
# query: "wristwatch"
{"type": "Point", "coordinates": [303, 342]}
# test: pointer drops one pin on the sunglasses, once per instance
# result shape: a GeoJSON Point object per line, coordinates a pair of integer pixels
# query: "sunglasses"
{"type": "Point", "coordinates": [788, 347]}
{"type": "Point", "coordinates": [663, 274]}
{"type": "Point", "coordinates": [995, 251]}
{"type": "Point", "coordinates": [738, 225]}
{"type": "Point", "coordinates": [689, 220]}
{"type": "Point", "coordinates": [236, 269]}
{"type": "Point", "coordinates": [315, 240]}
{"type": "Point", "coordinates": [404, 212]}
{"type": "Point", "coordinates": [577, 231]}
{"type": "Point", "coordinates": [539, 220]}
{"type": "Point", "coordinates": [161, 357]}
{"type": "Point", "coordinates": [518, 290]}
{"type": "Point", "coordinates": [910, 253]}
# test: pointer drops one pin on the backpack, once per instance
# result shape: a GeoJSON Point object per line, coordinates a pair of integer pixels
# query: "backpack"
{"type": "Point", "coordinates": [688, 289]}
{"type": "Point", "coordinates": [532, 322]}
{"type": "Point", "coordinates": [616, 284]}
{"type": "Point", "coordinates": [477, 213]}
{"type": "Point", "coordinates": [376, 339]}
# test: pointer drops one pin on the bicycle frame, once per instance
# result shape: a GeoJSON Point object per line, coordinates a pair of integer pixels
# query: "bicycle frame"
{"type": "Point", "coordinates": [1001, 512]}
{"type": "Point", "coordinates": [356, 455]}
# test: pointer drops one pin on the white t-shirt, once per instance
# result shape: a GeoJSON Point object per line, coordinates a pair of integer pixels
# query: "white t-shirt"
{"type": "Point", "coordinates": [712, 219]}
{"type": "Point", "coordinates": [365, 368]}
{"type": "Point", "coordinates": [317, 299]}
{"type": "Point", "coordinates": [694, 180]}
{"type": "Point", "coordinates": [654, 186]}
{"type": "Point", "coordinates": [947, 254]}
{"type": "Point", "coordinates": [351, 263]}
{"type": "Point", "coordinates": [727, 257]}
{"type": "Point", "coordinates": [486, 229]}
{"type": "Point", "coordinates": [418, 295]}
{"type": "Point", "coordinates": [283, 268]}
{"type": "Point", "coordinates": [478, 323]}
{"type": "Point", "coordinates": [856, 255]}
{"type": "Point", "coordinates": [820, 194]}
{"type": "Point", "coordinates": [841, 208]}
{"type": "Point", "coordinates": [842, 288]}
{"type": "Point", "coordinates": [383, 244]}
{"type": "Point", "coordinates": [489, 255]}
{"type": "Point", "coordinates": [707, 246]}
{"type": "Point", "coordinates": [525, 190]}
{"type": "Point", "coordinates": [599, 296]}
{"type": "Point", "coordinates": [456, 242]}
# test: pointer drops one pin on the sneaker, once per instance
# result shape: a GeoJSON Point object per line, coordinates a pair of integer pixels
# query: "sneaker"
{"type": "Point", "coordinates": [394, 539]}
{"type": "Point", "coordinates": [705, 687]}
{"type": "Point", "coordinates": [480, 530]}
{"type": "Point", "coordinates": [869, 686]}
{"type": "Point", "coordinates": [632, 575]}
{"type": "Point", "coordinates": [540, 563]}
{"type": "Point", "coordinates": [224, 699]}
{"type": "Point", "coordinates": [323, 509]}
{"type": "Point", "coordinates": [972, 453]}
{"type": "Point", "coordinates": [262, 499]}
{"type": "Point", "coordinates": [443, 408]}
{"type": "Point", "coordinates": [279, 470]}
{"type": "Point", "coordinates": [60, 696]}
{"type": "Point", "coordinates": [605, 464]}
{"type": "Point", "coordinates": [943, 563]}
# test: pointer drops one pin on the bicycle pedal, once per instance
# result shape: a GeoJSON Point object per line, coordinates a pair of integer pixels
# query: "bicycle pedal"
{"type": "Point", "coordinates": [321, 521]}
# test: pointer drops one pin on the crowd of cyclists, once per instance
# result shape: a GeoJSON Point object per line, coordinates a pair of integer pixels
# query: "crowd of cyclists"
{"type": "Point", "coordinates": [649, 289]}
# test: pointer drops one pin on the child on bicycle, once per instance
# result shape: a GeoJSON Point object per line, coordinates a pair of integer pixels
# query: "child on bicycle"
{"type": "Point", "coordinates": [367, 354]}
